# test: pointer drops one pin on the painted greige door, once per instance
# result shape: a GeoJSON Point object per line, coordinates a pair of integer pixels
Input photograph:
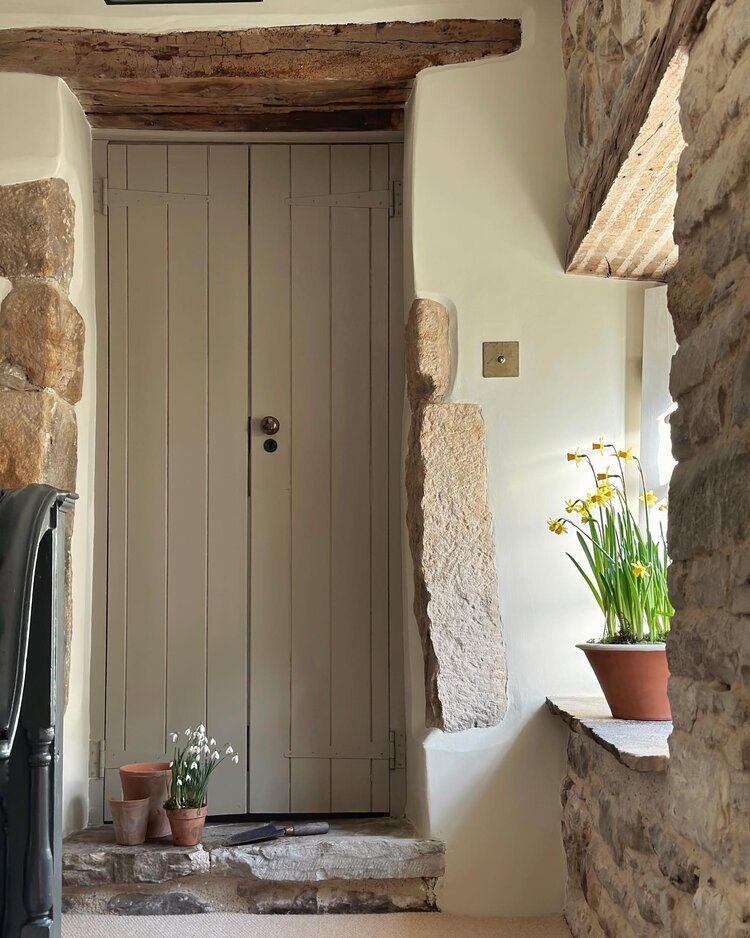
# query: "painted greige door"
{"type": "Point", "coordinates": [319, 619]}
{"type": "Point", "coordinates": [177, 541]}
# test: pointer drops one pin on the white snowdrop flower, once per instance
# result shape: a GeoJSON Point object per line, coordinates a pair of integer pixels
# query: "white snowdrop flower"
{"type": "Point", "coordinates": [235, 759]}
{"type": "Point", "coordinates": [187, 778]}
{"type": "Point", "coordinates": [201, 728]}
{"type": "Point", "coordinates": [179, 781]}
{"type": "Point", "coordinates": [215, 756]}
{"type": "Point", "coordinates": [206, 749]}
{"type": "Point", "coordinates": [173, 737]}
{"type": "Point", "coordinates": [229, 750]}
{"type": "Point", "coordinates": [212, 742]}
{"type": "Point", "coordinates": [193, 766]}
{"type": "Point", "coordinates": [188, 732]}
{"type": "Point", "coordinates": [171, 764]}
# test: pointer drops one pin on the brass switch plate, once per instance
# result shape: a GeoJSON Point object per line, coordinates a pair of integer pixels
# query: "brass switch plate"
{"type": "Point", "coordinates": [500, 359]}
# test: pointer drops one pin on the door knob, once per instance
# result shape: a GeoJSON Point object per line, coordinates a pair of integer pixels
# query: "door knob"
{"type": "Point", "coordinates": [270, 426]}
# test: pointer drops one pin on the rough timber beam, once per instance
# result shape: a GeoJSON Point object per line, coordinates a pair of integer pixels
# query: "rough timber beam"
{"type": "Point", "coordinates": [624, 227]}
{"type": "Point", "coordinates": [336, 77]}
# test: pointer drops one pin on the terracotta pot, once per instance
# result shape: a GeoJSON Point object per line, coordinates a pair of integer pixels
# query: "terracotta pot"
{"type": "Point", "coordinates": [130, 820]}
{"type": "Point", "coordinates": [187, 825]}
{"type": "Point", "coordinates": [149, 780]}
{"type": "Point", "coordinates": [633, 678]}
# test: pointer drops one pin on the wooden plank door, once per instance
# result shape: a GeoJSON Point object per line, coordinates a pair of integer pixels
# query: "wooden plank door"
{"type": "Point", "coordinates": [177, 455]}
{"type": "Point", "coordinates": [319, 620]}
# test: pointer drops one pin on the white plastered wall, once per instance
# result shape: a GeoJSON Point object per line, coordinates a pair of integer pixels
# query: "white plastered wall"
{"type": "Point", "coordinates": [486, 191]}
{"type": "Point", "coordinates": [44, 133]}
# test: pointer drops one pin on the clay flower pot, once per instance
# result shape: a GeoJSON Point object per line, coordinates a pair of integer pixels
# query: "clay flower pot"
{"type": "Point", "coordinates": [187, 825]}
{"type": "Point", "coordinates": [633, 678]}
{"type": "Point", "coordinates": [130, 820]}
{"type": "Point", "coordinates": [149, 780]}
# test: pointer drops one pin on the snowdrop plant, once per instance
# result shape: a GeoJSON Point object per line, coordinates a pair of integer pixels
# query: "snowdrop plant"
{"type": "Point", "coordinates": [192, 766]}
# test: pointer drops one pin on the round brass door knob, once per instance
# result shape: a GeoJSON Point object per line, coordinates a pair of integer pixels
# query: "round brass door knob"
{"type": "Point", "coordinates": [270, 425]}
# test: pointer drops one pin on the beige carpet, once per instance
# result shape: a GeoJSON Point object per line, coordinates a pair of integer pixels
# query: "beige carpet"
{"type": "Point", "coordinates": [404, 925]}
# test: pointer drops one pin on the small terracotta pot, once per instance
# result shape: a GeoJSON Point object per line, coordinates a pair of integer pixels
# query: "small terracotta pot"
{"type": "Point", "coordinates": [130, 820]}
{"type": "Point", "coordinates": [634, 679]}
{"type": "Point", "coordinates": [187, 825]}
{"type": "Point", "coordinates": [149, 780]}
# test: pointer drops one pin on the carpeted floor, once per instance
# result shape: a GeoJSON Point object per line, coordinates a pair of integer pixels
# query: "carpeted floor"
{"type": "Point", "coordinates": [404, 925]}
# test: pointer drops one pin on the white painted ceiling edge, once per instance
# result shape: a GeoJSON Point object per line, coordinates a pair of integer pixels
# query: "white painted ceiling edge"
{"type": "Point", "coordinates": [95, 14]}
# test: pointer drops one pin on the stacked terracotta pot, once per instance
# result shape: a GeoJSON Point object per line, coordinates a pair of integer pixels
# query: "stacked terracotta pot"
{"type": "Point", "coordinates": [140, 815]}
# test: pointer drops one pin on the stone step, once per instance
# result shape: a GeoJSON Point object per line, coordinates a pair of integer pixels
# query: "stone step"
{"type": "Point", "coordinates": [363, 865]}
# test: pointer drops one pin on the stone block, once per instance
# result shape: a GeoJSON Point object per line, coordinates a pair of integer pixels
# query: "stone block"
{"type": "Point", "coordinates": [428, 360]}
{"type": "Point", "coordinates": [165, 903]}
{"type": "Point", "coordinates": [38, 439]}
{"type": "Point", "coordinates": [41, 340]}
{"type": "Point", "coordinates": [456, 590]}
{"type": "Point", "coordinates": [36, 230]}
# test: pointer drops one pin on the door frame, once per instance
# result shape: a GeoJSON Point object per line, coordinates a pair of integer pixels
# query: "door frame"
{"type": "Point", "coordinates": [396, 385]}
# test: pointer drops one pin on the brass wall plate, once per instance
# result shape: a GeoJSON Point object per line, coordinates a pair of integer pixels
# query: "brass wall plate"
{"type": "Point", "coordinates": [500, 359]}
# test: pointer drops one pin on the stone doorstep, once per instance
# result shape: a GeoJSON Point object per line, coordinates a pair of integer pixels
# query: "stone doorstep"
{"type": "Point", "coordinates": [359, 866]}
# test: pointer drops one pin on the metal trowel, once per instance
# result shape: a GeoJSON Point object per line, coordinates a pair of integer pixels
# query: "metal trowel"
{"type": "Point", "coordinates": [277, 831]}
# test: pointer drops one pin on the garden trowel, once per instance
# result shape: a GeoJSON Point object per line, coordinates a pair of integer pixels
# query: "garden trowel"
{"type": "Point", "coordinates": [276, 832]}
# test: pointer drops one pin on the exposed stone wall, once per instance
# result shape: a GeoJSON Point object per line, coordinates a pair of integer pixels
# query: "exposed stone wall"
{"type": "Point", "coordinates": [709, 298]}
{"type": "Point", "coordinates": [41, 343]}
{"type": "Point", "coordinates": [703, 804]}
{"type": "Point", "coordinates": [629, 872]}
{"type": "Point", "coordinates": [604, 43]}
{"type": "Point", "coordinates": [450, 535]}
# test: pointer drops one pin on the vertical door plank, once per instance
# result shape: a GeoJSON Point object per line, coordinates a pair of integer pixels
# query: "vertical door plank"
{"type": "Point", "coordinates": [270, 588]}
{"type": "Point", "coordinates": [379, 334]}
{"type": "Point", "coordinates": [226, 640]}
{"type": "Point", "coordinates": [396, 398]}
{"type": "Point", "coordinates": [147, 429]}
{"type": "Point", "coordinates": [117, 501]}
{"type": "Point", "coordinates": [350, 479]}
{"type": "Point", "coordinates": [187, 441]}
{"type": "Point", "coordinates": [311, 480]}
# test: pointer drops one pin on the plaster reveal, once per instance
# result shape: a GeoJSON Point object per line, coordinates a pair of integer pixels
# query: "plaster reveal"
{"type": "Point", "coordinates": [450, 534]}
{"type": "Point", "coordinates": [41, 345]}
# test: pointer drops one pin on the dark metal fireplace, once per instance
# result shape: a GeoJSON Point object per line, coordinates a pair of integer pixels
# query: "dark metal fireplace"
{"type": "Point", "coordinates": [32, 604]}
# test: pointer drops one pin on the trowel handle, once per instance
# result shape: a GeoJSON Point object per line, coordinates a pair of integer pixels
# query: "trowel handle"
{"type": "Point", "coordinates": [310, 827]}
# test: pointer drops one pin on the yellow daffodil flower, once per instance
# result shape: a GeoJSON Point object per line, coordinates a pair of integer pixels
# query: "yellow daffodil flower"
{"type": "Point", "coordinates": [556, 526]}
{"type": "Point", "coordinates": [600, 444]}
{"type": "Point", "coordinates": [595, 499]}
{"type": "Point", "coordinates": [649, 499]}
{"type": "Point", "coordinates": [603, 476]}
{"type": "Point", "coordinates": [570, 506]}
{"type": "Point", "coordinates": [575, 457]}
{"type": "Point", "coordinates": [606, 491]}
{"type": "Point", "coordinates": [626, 454]}
{"type": "Point", "coordinates": [664, 506]}
{"type": "Point", "coordinates": [585, 516]}
{"type": "Point", "coordinates": [639, 570]}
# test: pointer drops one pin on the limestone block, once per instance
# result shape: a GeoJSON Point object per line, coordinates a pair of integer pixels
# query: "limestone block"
{"type": "Point", "coordinates": [41, 340]}
{"type": "Point", "coordinates": [165, 903]}
{"type": "Point", "coordinates": [36, 230]}
{"type": "Point", "coordinates": [38, 439]}
{"type": "Point", "coordinates": [456, 589]}
{"type": "Point", "coordinates": [427, 351]}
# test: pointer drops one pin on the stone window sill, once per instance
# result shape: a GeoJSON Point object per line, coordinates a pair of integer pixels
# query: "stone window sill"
{"type": "Point", "coordinates": [641, 746]}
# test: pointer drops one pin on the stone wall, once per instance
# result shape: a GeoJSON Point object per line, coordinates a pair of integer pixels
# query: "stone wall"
{"type": "Point", "coordinates": [604, 43]}
{"type": "Point", "coordinates": [709, 538]}
{"type": "Point", "coordinates": [629, 873]}
{"type": "Point", "coordinates": [676, 860]}
{"type": "Point", "coordinates": [41, 344]}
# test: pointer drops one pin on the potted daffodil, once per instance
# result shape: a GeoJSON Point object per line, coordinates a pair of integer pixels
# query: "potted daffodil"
{"type": "Point", "coordinates": [192, 766]}
{"type": "Point", "coordinates": [624, 564]}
